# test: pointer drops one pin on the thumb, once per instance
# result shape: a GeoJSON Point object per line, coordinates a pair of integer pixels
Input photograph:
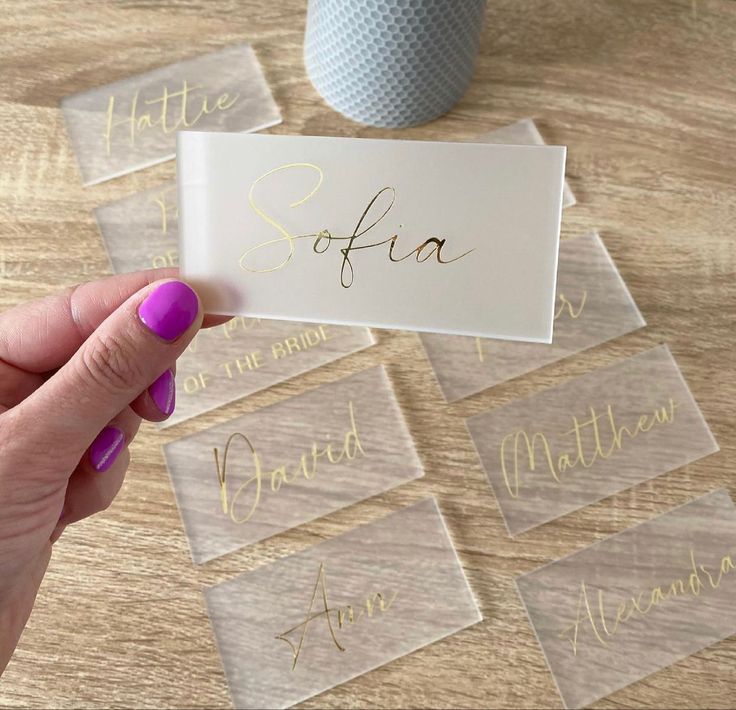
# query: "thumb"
{"type": "Point", "coordinates": [130, 349]}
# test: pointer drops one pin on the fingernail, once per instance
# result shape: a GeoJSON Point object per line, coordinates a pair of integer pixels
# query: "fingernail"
{"type": "Point", "coordinates": [163, 392]}
{"type": "Point", "coordinates": [169, 310]}
{"type": "Point", "coordinates": [106, 447]}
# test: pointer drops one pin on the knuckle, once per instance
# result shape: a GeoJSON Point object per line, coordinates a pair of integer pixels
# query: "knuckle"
{"type": "Point", "coordinates": [110, 362]}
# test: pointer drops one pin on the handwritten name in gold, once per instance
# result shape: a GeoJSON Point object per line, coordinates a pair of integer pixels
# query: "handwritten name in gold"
{"type": "Point", "coordinates": [168, 112]}
{"type": "Point", "coordinates": [592, 608]}
{"type": "Point", "coordinates": [526, 451]}
{"type": "Point", "coordinates": [377, 209]}
{"type": "Point", "coordinates": [335, 618]}
{"type": "Point", "coordinates": [249, 493]}
{"type": "Point", "coordinates": [167, 207]}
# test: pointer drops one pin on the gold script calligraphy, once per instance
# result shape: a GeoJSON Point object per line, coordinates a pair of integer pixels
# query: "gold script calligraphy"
{"type": "Point", "coordinates": [251, 490]}
{"type": "Point", "coordinates": [165, 201]}
{"type": "Point", "coordinates": [323, 611]}
{"type": "Point", "coordinates": [531, 449]}
{"type": "Point", "coordinates": [591, 609]}
{"type": "Point", "coordinates": [380, 205]}
{"type": "Point", "coordinates": [168, 112]}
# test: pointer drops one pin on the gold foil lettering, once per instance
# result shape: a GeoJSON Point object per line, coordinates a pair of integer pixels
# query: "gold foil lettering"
{"type": "Point", "coordinates": [591, 610]}
{"type": "Point", "coordinates": [172, 111]}
{"type": "Point", "coordinates": [167, 206]}
{"type": "Point", "coordinates": [322, 239]}
{"type": "Point", "coordinates": [239, 323]}
{"type": "Point", "coordinates": [535, 449]}
{"type": "Point", "coordinates": [342, 616]}
{"type": "Point", "coordinates": [242, 365]}
{"type": "Point", "coordinates": [194, 383]}
{"type": "Point", "coordinates": [306, 339]}
{"type": "Point", "coordinates": [250, 491]}
{"type": "Point", "coordinates": [169, 258]}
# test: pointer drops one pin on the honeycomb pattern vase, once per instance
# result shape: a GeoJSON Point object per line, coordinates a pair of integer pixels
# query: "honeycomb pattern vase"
{"type": "Point", "coordinates": [392, 63]}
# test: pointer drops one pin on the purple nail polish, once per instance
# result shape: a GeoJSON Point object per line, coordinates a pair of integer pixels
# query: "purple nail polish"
{"type": "Point", "coordinates": [163, 392]}
{"type": "Point", "coordinates": [169, 310]}
{"type": "Point", "coordinates": [106, 447]}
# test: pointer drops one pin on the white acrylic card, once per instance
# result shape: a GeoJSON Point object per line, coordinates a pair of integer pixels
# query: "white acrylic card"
{"type": "Point", "coordinates": [451, 237]}
{"type": "Point", "coordinates": [132, 123]}
{"type": "Point", "coordinates": [303, 624]}
{"type": "Point", "coordinates": [261, 473]}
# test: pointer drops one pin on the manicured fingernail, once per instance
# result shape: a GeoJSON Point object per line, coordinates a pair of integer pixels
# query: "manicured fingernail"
{"type": "Point", "coordinates": [169, 310]}
{"type": "Point", "coordinates": [106, 447]}
{"type": "Point", "coordinates": [163, 392]}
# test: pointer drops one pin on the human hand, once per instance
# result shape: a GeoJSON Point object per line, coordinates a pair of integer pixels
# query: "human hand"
{"type": "Point", "coordinates": [78, 371]}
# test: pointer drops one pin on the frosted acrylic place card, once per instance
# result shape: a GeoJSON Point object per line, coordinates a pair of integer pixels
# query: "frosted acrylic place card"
{"type": "Point", "coordinates": [577, 443]}
{"type": "Point", "coordinates": [141, 231]}
{"type": "Point", "coordinates": [451, 237]}
{"type": "Point", "coordinates": [593, 305]}
{"type": "Point", "coordinates": [523, 132]}
{"type": "Point", "coordinates": [636, 602]}
{"type": "Point", "coordinates": [303, 624]}
{"type": "Point", "coordinates": [261, 473]}
{"type": "Point", "coordinates": [131, 124]}
{"type": "Point", "coordinates": [233, 360]}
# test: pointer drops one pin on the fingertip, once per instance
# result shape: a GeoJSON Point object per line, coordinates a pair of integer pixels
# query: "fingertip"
{"type": "Point", "coordinates": [106, 448]}
{"type": "Point", "coordinates": [212, 320]}
{"type": "Point", "coordinates": [170, 309]}
{"type": "Point", "coordinates": [88, 492]}
{"type": "Point", "coordinates": [163, 393]}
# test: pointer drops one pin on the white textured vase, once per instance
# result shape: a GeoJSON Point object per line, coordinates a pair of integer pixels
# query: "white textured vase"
{"type": "Point", "coordinates": [392, 63]}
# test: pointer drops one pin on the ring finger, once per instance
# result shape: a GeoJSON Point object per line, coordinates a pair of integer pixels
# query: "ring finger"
{"type": "Point", "coordinates": [100, 474]}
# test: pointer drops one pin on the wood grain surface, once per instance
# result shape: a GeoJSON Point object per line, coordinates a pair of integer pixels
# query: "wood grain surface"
{"type": "Point", "coordinates": [643, 94]}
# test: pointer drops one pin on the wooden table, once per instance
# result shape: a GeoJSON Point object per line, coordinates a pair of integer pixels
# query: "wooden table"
{"type": "Point", "coordinates": [642, 92]}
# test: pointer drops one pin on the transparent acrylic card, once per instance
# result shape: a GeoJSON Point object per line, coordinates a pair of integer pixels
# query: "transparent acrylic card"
{"type": "Point", "coordinates": [261, 473]}
{"type": "Point", "coordinates": [303, 624]}
{"type": "Point", "coordinates": [523, 132]}
{"type": "Point", "coordinates": [636, 602]}
{"type": "Point", "coordinates": [593, 305]}
{"type": "Point", "coordinates": [571, 445]}
{"type": "Point", "coordinates": [230, 361]}
{"type": "Point", "coordinates": [131, 124]}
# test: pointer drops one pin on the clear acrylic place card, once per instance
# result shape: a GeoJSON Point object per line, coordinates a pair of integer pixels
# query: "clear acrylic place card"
{"type": "Point", "coordinates": [230, 361]}
{"type": "Point", "coordinates": [341, 230]}
{"type": "Point", "coordinates": [566, 447]}
{"type": "Point", "coordinates": [132, 123]}
{"type": "Point", "coordinates": [523, 132]}
{"type": "Point", "coordinates": [636, 602]}
{"type": "Point", "coordinates": [141, 231]}
{"type": "Point", "coordinates": [261, 473]}
{"type": "Point", "coordinates": [303, 624]}
{"type": "Point", "coordinates": [593, 305]}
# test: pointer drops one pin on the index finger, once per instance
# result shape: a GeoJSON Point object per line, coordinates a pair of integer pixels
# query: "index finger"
{"type": "Point", "coordinates": [42, 335]}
